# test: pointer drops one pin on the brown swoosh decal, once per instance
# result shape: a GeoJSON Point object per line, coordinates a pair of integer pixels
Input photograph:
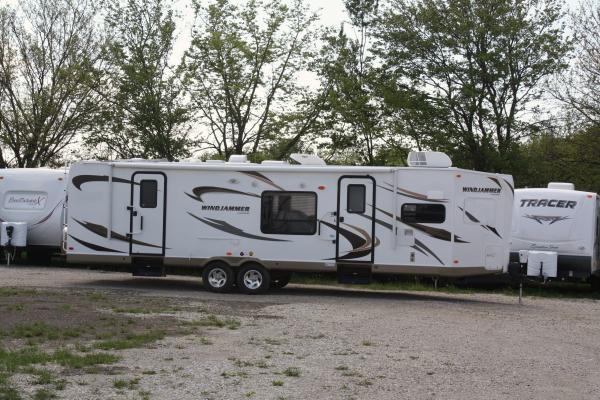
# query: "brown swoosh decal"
{"type": "Point", "coordinates": [261, 177]}
{"type": "Point", "coordinates": [228, 228]}
{"type": "Point", "coordinates": [93, 246]}
{"type": "Point", "coordinates": [103, 231]}
{"type": "Point", "coordinates": [437, 233]}
{"type": "Point", "coordinates": [81, 179]}
{"type": "Point", "coordinates": [201, 190]}
{"type": "Point", "coordinates": [412, 195]}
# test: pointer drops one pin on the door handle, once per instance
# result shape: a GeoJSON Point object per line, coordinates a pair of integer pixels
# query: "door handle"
{"type": "Point", "coordinates": [141, 222]}
{"type": "Point", "coordinates": [341, 219]}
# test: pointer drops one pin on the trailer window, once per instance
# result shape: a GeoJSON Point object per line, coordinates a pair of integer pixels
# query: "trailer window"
{"type": "Point", "coordinates": [289, 213]}
{"type": "Point", "coordinates": [356, 199]}
{"type": "Point", "coordinates": [148, 193]}
{"type": "Point", "coordinates": [423, 213]}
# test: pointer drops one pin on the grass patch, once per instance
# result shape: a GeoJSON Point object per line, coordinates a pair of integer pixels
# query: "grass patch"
{"type": "Point", "coordinates": [131, 310]}
{"type": "Point", "coordinates": [367, 343]}
{"type": "Point", "coordinates": [43, 394]}
{"type": "Point", "coordinates": [293, 372]}
{"type": "Point", "coordinates": [277, 383]}
{"type": "Point", "coordinates": [7, 392]}
{"type": "Point", "coordinates": [341, 368]}
{"type": "Point", "coordinates": [214, 321]}
{"type": "Point", "coordinates": [10, 292]}
{"type": "Point", "coordinates": [531, 288]}
{"type": "Point", "coordinates": [130, 341]}
{"type": "Point", "coordinates": [124, 384]}
{"type": "Point", "coordinates": [15, 307]}
{"type": "Point", "coordinates": [42, 331]}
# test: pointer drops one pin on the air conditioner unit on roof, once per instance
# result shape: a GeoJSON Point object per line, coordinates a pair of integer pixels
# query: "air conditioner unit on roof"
{"type": "Point", "coordinates": [430, 159]}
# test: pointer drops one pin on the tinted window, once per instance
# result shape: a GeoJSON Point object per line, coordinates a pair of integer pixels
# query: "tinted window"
{"type": "Point", "coordinates": [289, 213]}
{"type": "Point", "coordinates": [356, 199]}
{"type": "Point", "coordinates": [148, 193]}
{"type": "Point", "coordinates": [423, 213]}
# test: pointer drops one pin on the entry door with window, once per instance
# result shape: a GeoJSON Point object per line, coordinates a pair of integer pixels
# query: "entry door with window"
{"type": "Point", "coordinates": [147, 213]}
{"type": "Point", "coordinates": [355, 224]}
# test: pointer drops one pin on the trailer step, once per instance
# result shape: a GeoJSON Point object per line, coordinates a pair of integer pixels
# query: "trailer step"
{"type": "Point", "coordinates": [148, 267]}
{"type": "Point", "coordinates": [358, 274]}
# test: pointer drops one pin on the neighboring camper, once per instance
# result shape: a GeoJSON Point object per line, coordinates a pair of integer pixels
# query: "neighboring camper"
{"type": "Point", "coordinates": [36, 197]}
{"type": "Point", "coordinates": [555, 232]}
{"type": "Point", "coordinates": [251, 225]}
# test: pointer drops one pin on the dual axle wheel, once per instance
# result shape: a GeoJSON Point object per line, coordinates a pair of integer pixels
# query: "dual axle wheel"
{"type": "Point", "coordinates": [250, 278]}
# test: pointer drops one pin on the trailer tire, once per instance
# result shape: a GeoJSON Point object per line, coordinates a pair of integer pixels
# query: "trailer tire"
{"type": "Point", "coordinates": [253, 278]}
{"type": "Point", "coordinates": [280, 280]}
{"type": "Point", "coordinates": [595, 282]}
{"type": "Point", "coordinates": [218, 277]}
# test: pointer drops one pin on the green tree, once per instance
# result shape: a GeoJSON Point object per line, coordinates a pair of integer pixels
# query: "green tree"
{"type": "Point", "coordinates": [579, 88]}
{"type": "Point", "coordinates": [480, 62]}
{"type": "Point", "coordinates": [554, 158]}
{"type": "Point", "coordinates": [48, 55]}
{"type": "Point", "coordinates": [242, 74]}
{"type": "Point", "coordinates": [353, 113]}
{"type": "Point", "coordinates": [144, 114]}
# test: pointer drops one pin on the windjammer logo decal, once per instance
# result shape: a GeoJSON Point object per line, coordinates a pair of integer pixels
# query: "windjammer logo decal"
{"type": "Point", "coordinates": [470, 189]}
{"type": "Point", "coordinates": [238, 209]}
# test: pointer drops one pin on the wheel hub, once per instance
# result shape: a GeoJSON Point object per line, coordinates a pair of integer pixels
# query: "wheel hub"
{"type": "Point", "coordinates": [217, 278]}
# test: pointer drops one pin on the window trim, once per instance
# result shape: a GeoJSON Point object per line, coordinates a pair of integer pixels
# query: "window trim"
{"type": "Point", "coordinates": [292, 192]}
{"type": "Point", "coordinates": [421, 204]}
{"type": "Point", "coordinates": [155, 193]}
{"type": "Point", "coordinates": [364, 198]}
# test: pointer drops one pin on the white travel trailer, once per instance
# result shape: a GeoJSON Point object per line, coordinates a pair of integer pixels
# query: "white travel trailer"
{"type": "Point", "coordinates": [251, 225]}
{"type": "Point", "coordinates": [555, 232]}
{"type": "Point", "coordinates": [35, 197]}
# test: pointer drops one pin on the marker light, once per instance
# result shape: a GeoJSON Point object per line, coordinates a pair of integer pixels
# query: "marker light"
{"type": "Point", "coordinates": [458, 175]}
{"type": "Point", "coordinates": [455, 261]}
{"type": "Point", "coordinates": [321, 187]}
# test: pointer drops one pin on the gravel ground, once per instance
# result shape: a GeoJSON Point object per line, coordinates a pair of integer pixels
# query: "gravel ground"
{"type": "Point", "coordinates": [343, 344]}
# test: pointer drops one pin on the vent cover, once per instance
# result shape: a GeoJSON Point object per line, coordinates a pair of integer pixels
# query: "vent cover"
{"type": "Point", "coordinates": [430, 159]}
{"type": "Point", "coordinates": [561, 185]}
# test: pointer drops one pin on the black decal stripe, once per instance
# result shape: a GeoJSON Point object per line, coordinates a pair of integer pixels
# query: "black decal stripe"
{"type": "Point", "coordinates": [428, 250]}
{"type": "Point", "coordinates": [413, 195]}
{"type": "Point", "coordinates": [419, 246]}
{"type": "Point", "coordinates": [200, 190]}
{"type": "Point", "coordinates": [492, 229]}
{"type": "Point", "coordinates": [227, 228]}
{"type": "Point", "coordinates": [47, 217]}
{"type": "Point", "coordinates": [473, 219]}
{"type": "Point", "coordinates": [102, 231]}
{"type": "Point", "coordinates": [378, 221]}
{"type": "Point", "coordinates": [355, 241]}
{"type": "Point", "coordinates": [81, 179]}
{"type": "Point", "coordinates": [469, 215]}
{"type": "Point", "coordinates": [437, 233]}
{"type": "Point", "coordinates": [512, 189]}
{"type": "Point", "coordinates": [496, 181]}
{"type": "Point", "coordinates": [261, 177]}
{"type": "Point", "coordinates": [94, 247]}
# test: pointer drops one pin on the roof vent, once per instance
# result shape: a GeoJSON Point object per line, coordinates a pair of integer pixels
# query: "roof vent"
{"type": "Point", "coordinates": [238, 158]}
{"type": "Point", "coordinates": [561, 185]}
{"type": "Point", "coordinates": [307, 159]}
{"type": "Point", "coordinates": [273, 162]}
{"type": "Point", "coordinates": [430, 159]}
{"type": "Point", "coordinates": [214, 161]}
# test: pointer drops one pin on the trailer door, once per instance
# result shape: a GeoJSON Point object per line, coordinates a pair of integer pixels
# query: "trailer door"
{"type": "Point", "coordinates": [147, 213]}
{"type": "Point", "coordinates": [355, 224]}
